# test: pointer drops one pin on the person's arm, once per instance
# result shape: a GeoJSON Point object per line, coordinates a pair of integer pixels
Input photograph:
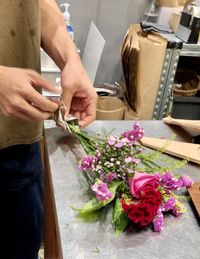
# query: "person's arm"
{"type": "Point", "coordinates": [77, 91]}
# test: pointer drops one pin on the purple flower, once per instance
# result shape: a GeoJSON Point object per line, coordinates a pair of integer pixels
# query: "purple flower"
{"type": "Point", "coordinates": [169, 205]}
{"type": "Point", "coordinates": [186, 181]}
{"type": "Point", "coordinates": [169, 182]}
{"type": "Point", "coordinates": [87, 163]}
{"type": "Point", "coordinates": [158, 221]}
{"type": "Point", "coordinates": [158, 176]}
{"type": "Point", "coordinates": [111, 176]}
{"type": "Point", "coordinates": [134, 135]}
{"type": "Point", "coordinates": [120, 142]}
{"type": "Point", "coordinates": [179, 209]}
{"type": "Point", "coordinates": [101, 190]}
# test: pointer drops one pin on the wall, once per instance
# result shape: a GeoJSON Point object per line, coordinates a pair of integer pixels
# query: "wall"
{"type": "Point", "coordinates": [112, 17]}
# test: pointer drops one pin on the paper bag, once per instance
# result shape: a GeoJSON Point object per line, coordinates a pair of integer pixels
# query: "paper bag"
{"type": "Point", "coordinates": [167, 3]}
{"type": "Point", "coordinates": [182, 2]}
{"type": "Point", "coordinates": [150, 63]}
{"type": "Point", "coordinates": [142, 61]}
{"type": "Point", "coordinates": [129, 114]}
{"type": "Point", "coordinates": [129, 56]}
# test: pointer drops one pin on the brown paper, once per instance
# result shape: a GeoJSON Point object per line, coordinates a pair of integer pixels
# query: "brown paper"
{"type": "Point", "coordinates": [142, 60]}
{"type": "Point", "coordinates": [176, 148]}
{"type": "Point", "coordinates": [129, 56]}
{"type": "Point", "coordinates": [190, 124]}
{"type": "Point", "coordinates": [167, 3]}
{"type": "Point", "coordinates": [182, 2]}
{"type": "Point", "coordinates": [150, 63]}
{"type": "Point", "coordinates": [129, 114]}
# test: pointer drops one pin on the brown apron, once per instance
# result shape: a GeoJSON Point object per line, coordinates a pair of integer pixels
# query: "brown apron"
{"type": "Point", "coordinates": [19, 47]}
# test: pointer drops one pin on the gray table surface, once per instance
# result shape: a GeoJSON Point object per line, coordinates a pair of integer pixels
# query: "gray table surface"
{"type": "Point", "coordinates": [180, 237]}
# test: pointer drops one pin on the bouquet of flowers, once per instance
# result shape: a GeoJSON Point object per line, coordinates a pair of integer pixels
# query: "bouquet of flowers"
{"type": "Point", "coordinates": [121, 173]}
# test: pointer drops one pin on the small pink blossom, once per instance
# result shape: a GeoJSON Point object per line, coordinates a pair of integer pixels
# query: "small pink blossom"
{"type": "Point", "coordinates": [186, 181]}
{"type": "Point", "coordinates": [111, 176]}
{"type": "Point", "coordinates": [169, 182]}
{"type": "Point", "coordinates": [169, 205]}
{"type": "Point", "coordinates": [128, 159]}
{"type": "Point", "coordinates": [158, 221]}
{"type": "Point", "coordinates": [134, 135]}
{"type": "Point", "coordinates": [101, 190]}
{"type": "Point", "coordinates": [119, 144]}
{"type": "Point", "coordinates": [87, 163]}
{"type": "Point", "coordinates": [112, 140]}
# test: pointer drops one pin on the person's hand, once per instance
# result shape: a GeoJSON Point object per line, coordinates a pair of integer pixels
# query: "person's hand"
{"type": "Point", "coordinates": [18, 95]}
{"type": "Point", "coordinates": [78, 93]}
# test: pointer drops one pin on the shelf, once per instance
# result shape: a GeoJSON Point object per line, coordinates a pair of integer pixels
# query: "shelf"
{"type": "Point", "coordinates": [190, 50]}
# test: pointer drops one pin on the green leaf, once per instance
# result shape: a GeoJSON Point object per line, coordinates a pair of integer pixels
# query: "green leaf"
{"type": "Point", "coordinates": [120, 218]}
{"type": "Point", "coordinates": [95, 204]}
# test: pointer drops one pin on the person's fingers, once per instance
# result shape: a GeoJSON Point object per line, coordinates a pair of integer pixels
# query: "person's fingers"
{"type": "Point", "coordinates": [77, 114]}
{"type": "Point", "coordinates": [39, 81]}
{"type": "Point", "coordinates": [39, 101]}
{"type": "Point", "coordinates": [36, 114]}
{"type": "Point", "coordinates": [89, 116]}
{"type": "Point", "coordinates": [30, 111]}
{"type": "Point", "coordinates": [67, 99]}
{"type": "Point", "coordinates": [83, 115]}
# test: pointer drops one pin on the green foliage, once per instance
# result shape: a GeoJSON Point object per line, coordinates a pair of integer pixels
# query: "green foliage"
{"type": "Point", "coordinates": [120, 218]}
{"type": "Point", "coordinates": [95, 204]}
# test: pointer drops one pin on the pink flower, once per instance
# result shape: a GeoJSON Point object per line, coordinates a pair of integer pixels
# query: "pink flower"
{"type": "Point", "coordinates": [87, 163]}
{"type": "Point", "coordinates": [111, 176]}
{"type": "Point", "coordinates": [112, 140]}
{"type": "Point", "coordinates": [128, 159]}
{"type": "Point", "coordinates": [186, 181]}
{"type": "Point", "coordinates": [169, 204]}
{"type": "Point", "coordinates": [140, 182]}
{"type": "Point", "coordinates": [135, 134]}
{"type": "Point", "coordinates": [169, 182]}
{"type": "Point", "coordinates": [101, 190]}
{"type": "Point", "coordinates": [158, 221]}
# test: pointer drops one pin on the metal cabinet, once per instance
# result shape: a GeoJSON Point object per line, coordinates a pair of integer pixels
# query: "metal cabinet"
{"type": "Point", "coordinates": [175, 49]}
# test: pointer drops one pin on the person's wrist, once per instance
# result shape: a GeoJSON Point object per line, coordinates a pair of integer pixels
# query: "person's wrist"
{"type": "Point", "coordinates": [70, 60]}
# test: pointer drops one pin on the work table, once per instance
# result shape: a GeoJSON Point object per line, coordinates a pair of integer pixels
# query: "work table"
{"type": "Point", "coordinates": [70, 238]}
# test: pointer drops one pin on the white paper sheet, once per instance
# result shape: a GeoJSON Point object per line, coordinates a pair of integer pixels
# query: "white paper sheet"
{"type": "Point", "coordinates": [92, 51]}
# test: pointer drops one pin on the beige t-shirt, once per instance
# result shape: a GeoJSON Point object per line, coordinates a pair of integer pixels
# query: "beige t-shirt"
{"type": "Point", "coordinates": [19, 47]}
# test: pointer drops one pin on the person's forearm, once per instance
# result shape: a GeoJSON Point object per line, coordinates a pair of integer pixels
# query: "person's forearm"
{"type": "Point", "coordinates": [55, 39]}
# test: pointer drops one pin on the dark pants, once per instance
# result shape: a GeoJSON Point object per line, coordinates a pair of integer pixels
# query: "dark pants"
{"type": "Point", "coordinates": [21, 202]}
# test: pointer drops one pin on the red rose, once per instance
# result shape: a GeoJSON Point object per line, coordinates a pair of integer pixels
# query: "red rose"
{"type": "Point", "coordinates": [140, 214]}
{"type": "Point", "coordinates": [142, 211]}
{"type": "Point", "coordinates": [140, 182]}
{"type": "Point", "coordinates": [152, 197]}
